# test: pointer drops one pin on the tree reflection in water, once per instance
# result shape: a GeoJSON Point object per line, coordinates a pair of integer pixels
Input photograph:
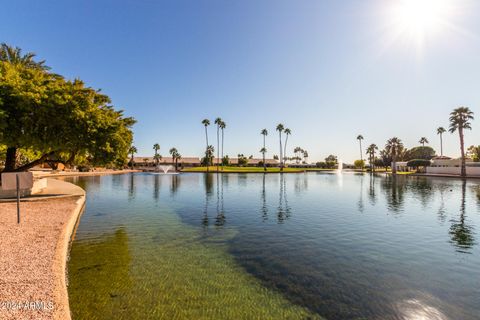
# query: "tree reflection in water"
{"type": "Point", "coordinates": [131, 187]}
{"type": "Point", "coordinates": [284, 211]}
{"type": "Point", "coordinates": [461, 233]}
{"type": "Point", "coordinates": [371, 189]}
{"type": "Point", "coordinates": [360, 204]}
{"type": "Point", "coordinates": [208, 182]}
{"type": "Point", "coordinates": [156, 187]}
{"type": "Point", "coordinates": [264, 200]}
{"type": "Point", "coordinates": [393, 188]}
{"type": "Point", "coordinates": [301, 183]}
{"type": "Point", "coordinates": [220, 218]}
{"type": "Point", "coordinates": [174, 184]}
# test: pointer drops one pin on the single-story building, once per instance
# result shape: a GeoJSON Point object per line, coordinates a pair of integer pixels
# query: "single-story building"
{"type": "Point", "coordinates": [445, 165]}
{"type": "Point", "coordinates": [194, 161]}
{"type": "Point", "coordinates": [401, 166]}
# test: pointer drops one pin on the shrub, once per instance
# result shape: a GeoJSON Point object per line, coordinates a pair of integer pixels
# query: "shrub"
{"type": "Point", "coordinates": [359, 164]}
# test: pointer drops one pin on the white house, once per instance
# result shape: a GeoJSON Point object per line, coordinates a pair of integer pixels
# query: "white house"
{"type": "Point", "coordinates": [445, 165]}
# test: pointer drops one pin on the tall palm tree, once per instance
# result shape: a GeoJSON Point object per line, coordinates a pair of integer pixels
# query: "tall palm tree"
{"type": "Point", "coordinates": [287, 133]}
{"type": "Point", "coordinates": [305, 155]}
{"type": "Point", "coordinates": [132, 152]}
{"type": "Point", "coordinates": [264, 133]}
{"type": "Point", "coordinates": [223, 125]}
{"type": "Point", "coordinates": [371, 154]}
{"type": "Point", "coordinates": [460, 120]}
{"type": "Point", "coordinates": [394, 147]}
{"type": "Point", "coordinates": [218, 122]}
{"type": "Point", "coordinates": [422, 141]}
{"type": "Point", "coordinates": [206, 123]}
{"type": "Point", "coordinates": [360, 138]}
{"type": "Point", "coordinates": [280, 129]}
{"type": "Point", "coordinates": [156, 147]}
{"type": "Point", "coordinates": [441, 131]}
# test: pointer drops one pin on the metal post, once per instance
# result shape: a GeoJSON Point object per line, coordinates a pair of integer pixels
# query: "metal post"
{"type": "Point", "coordinates": [18, 198]}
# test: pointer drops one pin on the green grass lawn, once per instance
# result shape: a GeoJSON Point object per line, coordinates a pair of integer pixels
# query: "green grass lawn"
{"type": "Point", "coordinates": [250, 169]}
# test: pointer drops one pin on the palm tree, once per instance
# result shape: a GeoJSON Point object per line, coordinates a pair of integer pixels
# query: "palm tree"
{"type": "Point", "coordinates": [178, 156]}
{"type": "Point", "coordinates": [175, 157]}
{"type": "Point", "coordinates": [394, 146]}
{"type": "Point", "coordinates": [218, 122]}
{"type": "Point", "coordinates": [287, 133]}
{"type": "Point", "coordinates": [280, 128]}
{"type": "Point", "coordinates": [305, 156]}
{"type": "Point", "coordinates": [371, 153]}
{"type": "Point", "coordinates": [460, 120]}
{"type": "Point", "coordinates": [132, 152]}
{"type": "Point", "coordinates": [441, 131]}
{"type": "Point", "coordinates": [14, 56]}
{"type": "Point", "coordinates": [264, 133]}
{"type": "Point", "coordinates": [173, 152]}
{"type": "Point", "coordinates": [223, 125]}
{"type": "Point", "coordinates": [157, 158]}
{"type": "Point", "coordinates": [209, 154]}
{"type": "Point", "coordinates": [296, 151]}
{"type": "Point", "coordinates": [422, 141]}
{"type": "Point", "coordinates": [206, 123]}
{"type": "Point", "coordinates": [156, 147]}
{"type": "Point", "coordinates": [263, 151]}
{"type": "Point", "coordinates": [360, 138]}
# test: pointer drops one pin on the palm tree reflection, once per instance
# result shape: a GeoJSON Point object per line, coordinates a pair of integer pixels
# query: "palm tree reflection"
{"type": "Point", "coordinates": [283, 212]}
{"type": "Point", "coordinates": [442, 212]}
{"type": "Point", "coordinates": [175, 184]}
{"type": "Point", "coordinates": [462, 234]}
{"type": "Point", "coordinates": [264, 200]}
{"type": "Point", "coordinates": [156, 187]}
{"type": "Point", "coordinates": [394, 189]}
{"type": "Point", "coordinates": [301, 183]}
{"type": "Point", "coordinates": [371, 190]}
{"type": "Point", "coordinates": [131, 187]}
{"type": "Point", "coordinates": [220, 218]}
{"type": "Point", "coordinates": [208, 184]}
{"type": "Point", "coordinates": [361, 205]}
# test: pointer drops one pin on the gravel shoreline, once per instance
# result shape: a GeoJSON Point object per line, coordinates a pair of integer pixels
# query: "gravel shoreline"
{"type": "Point", "coordinates": [33, 256]}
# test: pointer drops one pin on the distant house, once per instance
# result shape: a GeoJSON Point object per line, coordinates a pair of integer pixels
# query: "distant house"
{"type": "Point", "coordinates": [194, 161]}
{"type": "Point", "coordinates": [250, 162]}
{"type": "Point", "coordinates": [167, 160]}
{"type": "Point", "coordinates": [401, 166]}
{"type": "Point", "coordinates": [446, 165]}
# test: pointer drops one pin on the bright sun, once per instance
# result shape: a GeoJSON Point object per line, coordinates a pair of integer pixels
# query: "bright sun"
{"type": "Point", "coordinates": [419, 18]}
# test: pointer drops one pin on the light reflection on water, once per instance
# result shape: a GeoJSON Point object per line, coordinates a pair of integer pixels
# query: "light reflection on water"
{"type": "Point", "coordinates": [346, 246]}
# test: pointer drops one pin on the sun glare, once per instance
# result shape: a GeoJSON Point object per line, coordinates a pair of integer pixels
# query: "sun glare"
{"type": "Point", "coordinates": [419, 19]}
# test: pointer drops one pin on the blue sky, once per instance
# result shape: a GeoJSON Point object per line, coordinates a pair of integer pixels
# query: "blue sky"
{"type": "Point", "coordinates": [328, 70]}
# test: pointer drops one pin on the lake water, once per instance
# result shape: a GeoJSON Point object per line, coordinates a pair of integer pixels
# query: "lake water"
{"type": "Point", "coordinates": [291, 246]}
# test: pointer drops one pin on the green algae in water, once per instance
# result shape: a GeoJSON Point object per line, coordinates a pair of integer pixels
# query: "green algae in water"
{"type": "Point", "coordinates": [168, 271]}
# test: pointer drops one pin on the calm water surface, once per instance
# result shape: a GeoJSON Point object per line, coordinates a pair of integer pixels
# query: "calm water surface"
{"type": "Point", "coordinates": [242, 246]}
